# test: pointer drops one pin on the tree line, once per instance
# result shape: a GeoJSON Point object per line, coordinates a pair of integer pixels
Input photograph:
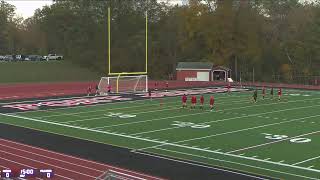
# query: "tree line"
{"type": "Point", "coordinates": [274, 40]}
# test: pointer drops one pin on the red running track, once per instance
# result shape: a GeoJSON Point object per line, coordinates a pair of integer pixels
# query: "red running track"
{"type": "Point", "coordinates": [15, 156]}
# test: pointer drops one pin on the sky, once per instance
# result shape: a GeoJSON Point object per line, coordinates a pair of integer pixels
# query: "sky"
{"type": "Point", "coordinates": [26, 8]}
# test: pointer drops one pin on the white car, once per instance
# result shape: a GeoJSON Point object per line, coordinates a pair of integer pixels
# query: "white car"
{"type": "Point", "coordinates": [54, 57]}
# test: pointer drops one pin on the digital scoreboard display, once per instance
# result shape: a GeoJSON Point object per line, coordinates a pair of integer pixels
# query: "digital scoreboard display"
{"type": "Point", "coordinates": [26, 173]}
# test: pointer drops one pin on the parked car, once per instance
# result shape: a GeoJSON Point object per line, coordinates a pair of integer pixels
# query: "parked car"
{"type": "Point", "coordinates": [1, 58]}
{"type": "Point", "coordinates": [35, 58]}
{"type": "Point", "coordinates": [8, 58]}
{"type": "Point", "coordinates": [20, 57]}
{"type": "Point", "coordinates": [54, 57]}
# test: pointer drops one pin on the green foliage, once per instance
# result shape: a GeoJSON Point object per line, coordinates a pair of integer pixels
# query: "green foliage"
{"type": "Point", "coordinates": [247, 34]}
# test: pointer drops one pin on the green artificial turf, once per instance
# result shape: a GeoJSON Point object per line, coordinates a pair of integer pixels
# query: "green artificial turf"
{"type": "Point", "coordinates": [274, 138]}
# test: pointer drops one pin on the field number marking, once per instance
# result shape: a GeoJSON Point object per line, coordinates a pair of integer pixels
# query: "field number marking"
{"type": "Point", "coordinates": [279, 137]}
{"type": "Point", "coordinates": [121, 115]}
{"type": "Point", "coordinates": [190, 124]}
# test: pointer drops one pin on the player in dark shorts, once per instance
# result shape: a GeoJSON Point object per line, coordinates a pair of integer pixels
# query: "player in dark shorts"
{"type": "Point", "coordinates": [279, 94]}
{"type": "Point", "coordinates": [271, 92]}
{"type": "Point", "coordinates": [97, 90]}
{"type": "Point", "coordinates": [255, 95]}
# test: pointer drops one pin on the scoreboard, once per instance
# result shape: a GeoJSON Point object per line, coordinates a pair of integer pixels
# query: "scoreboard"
{"type": "Point", "coordinates": [26, 173]}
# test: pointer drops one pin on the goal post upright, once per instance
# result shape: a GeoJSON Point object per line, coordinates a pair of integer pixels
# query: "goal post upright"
{"type": "Point", "coordinates": [118, 75]}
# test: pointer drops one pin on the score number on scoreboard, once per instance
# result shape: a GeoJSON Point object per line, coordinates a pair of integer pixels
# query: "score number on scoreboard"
{"type": "Point", "coordinates": [27, 173]}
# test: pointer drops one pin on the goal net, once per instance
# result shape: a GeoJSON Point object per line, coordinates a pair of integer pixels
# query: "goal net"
{"type": "Point", "coordinates": [120, 84]}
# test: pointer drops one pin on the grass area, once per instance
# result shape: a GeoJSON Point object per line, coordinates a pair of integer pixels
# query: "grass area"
{"type": "Point", "coordinates": [44, 71]}
{"type": "Point", "coordinates": [271, 138]}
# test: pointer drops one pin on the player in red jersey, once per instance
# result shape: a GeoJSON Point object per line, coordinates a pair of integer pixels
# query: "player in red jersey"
{"type": "Point", "coordinates": [201, 102]}
{"type": "Point", "coordinates": [193, 102]}
{"type": "Point", "coordinates": [167, 86]}
{"type": "Point", "coordinates": [263, 92]}
{"type": "Point", "coordinates": [89, 90]}
{"type": "Point", "coordinates": [211, 102]}
{"type": "Point", "coordinates": [279, 93]}
{"type": "Point", "coordinates": [184, 101]}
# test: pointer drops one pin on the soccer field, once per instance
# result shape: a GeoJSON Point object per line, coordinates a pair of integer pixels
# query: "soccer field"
{"type": "Point", "coordinates": [279, 139]}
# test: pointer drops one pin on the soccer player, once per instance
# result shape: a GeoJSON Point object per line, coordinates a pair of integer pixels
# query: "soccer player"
{"type": "Point", "coordinates": [254, 96]}
{"type": "Point", "coordinates": [211, 102]}
{"type": "Point", "coordinates": [201, 102]}
{"type": "Point", "coordinates": [271, 92]}
{"type": "Point", "coordinates": [109, 88]}
{"type": "Point", "coordinates": [263, 92]}
{"type": "Point", "coordinates": [89, 90]}
{"type": "Point", "coordinates": [97, 90]}
{"type": "Point", "coordinates": [279, 93]}
{"type": "Point", "coordinates": [150, 93]}
{"type": "Point", "coordinates": [167, 86]}
{"type": "Point", "coordinates": [184, 100]}
{"type": "Point", "coordinates": [193, 102]}
{"type": "Point", "coordinates": [229, 86]}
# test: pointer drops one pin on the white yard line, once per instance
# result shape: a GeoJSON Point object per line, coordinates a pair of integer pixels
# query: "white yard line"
{"type": "Point", "coordinates": [273, 142]}
{"type": "Point", "coordinates": [221, 160]}
{"type": "Point", "coordinates": [161, 142]}
{"type": "Point", "coordinates": [227, 119]}
{"type": "Point", "coordinates": [307, 160]}
{"type": "Point", "coordinates": [204, 112]}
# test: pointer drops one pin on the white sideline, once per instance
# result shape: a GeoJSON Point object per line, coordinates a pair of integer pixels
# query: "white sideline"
{"type": "Point", "coordinates": [25, 165]}
{"type": "Point", "coordinates": [150, 120]}
{"type": "Point", "coordinates": [221, 160]}
{"type": "Point", "coordinates": [161, 142]}
{"type": "Point", "coordinates": [197, 164]}
{"type": "Point", "coordinates": [227, 119]}
{"type": "Point", "coordinates": [307, 160]}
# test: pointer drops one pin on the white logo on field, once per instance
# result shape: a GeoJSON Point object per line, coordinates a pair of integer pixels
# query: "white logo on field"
{"type": "Point", "coordinates": [120, 115]}
{"type": "Point", "coordinates": [282, 137]}
{"type": "Point", "coordinates": [190, 124]}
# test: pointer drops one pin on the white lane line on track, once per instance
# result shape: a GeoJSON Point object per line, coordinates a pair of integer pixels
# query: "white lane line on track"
{"type": "Point", "coordinates": [48, 157]}
{"type": "Point", "coordinates": [76, 158]}
{"type": "Point", "coordinates": [58, 167]}
{"type": "Point", "coordinates": [164, 143]}
{"type": "Point", "coordinates": [25, 165]}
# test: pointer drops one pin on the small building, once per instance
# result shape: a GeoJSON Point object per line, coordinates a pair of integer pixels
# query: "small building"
{"type": "Point", "coordinates": [201, 71]}
{"type": "Point", "coordinates": [194, 71]}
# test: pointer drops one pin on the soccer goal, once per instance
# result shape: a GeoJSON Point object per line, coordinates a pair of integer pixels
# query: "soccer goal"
{"type": "Point", "coordinates": [122, 84]}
